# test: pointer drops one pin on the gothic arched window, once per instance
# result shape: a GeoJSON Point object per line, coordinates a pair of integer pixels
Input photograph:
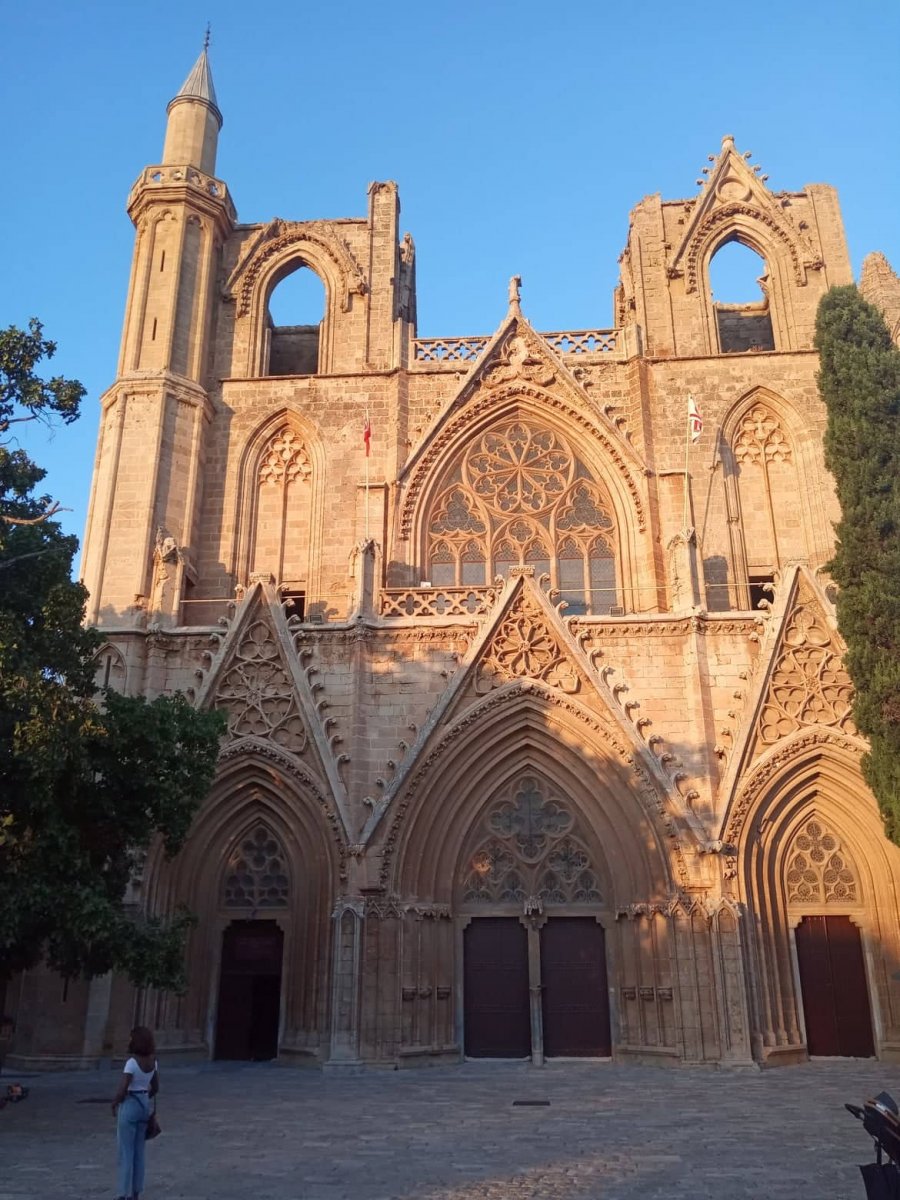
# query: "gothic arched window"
{"type": "Point", "coordinates": [819, 869]}
{"type": "Point", "coordinates": [256, 875]}
{"type": "Point", "coordinates": [771, 498]}
{"type": "Point", "coordinates": [528, 846]}
{"type": "Point", "coordinates": [518, 496]}
{"type": "Point", "coordinates": [294, 323]}
{"type": "Point", "coordinates": [283, 509]}
{"type": "Point", "coordinates": [739, 281]}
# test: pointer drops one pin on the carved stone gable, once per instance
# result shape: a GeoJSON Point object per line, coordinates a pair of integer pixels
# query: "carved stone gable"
{"type": "Point", "coordinates": [819, 870]}
{"type": "Point", "coordinates": [524, 646]}
{"type": "Point", "coordinates": [257, 693]}
{"type": "Point", "coordinates": [808, 684]}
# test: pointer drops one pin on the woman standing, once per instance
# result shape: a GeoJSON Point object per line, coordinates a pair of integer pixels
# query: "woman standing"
{"type": "Point", "coordinates": [131, 1108]}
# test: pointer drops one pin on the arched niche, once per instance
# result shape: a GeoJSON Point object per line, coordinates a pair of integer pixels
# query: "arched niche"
{"type": "Point", "coordinates": [293, 887]}
{"type": "Point", "coordinates": [578, 514]}
{"type": "Point", "coordinates": [775, 515]}
{"type": "Point", "coordinates": [808, 798]}
{"type": "Point", "coordinates": [279, 509]}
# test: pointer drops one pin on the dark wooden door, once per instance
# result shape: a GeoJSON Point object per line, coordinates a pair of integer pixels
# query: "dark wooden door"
{"type": "Point", "coordinates": [833, 983]}
{"type": "Point", "coordinates": [496, 1009]}
{"type": "Point", "coordinates": [574, 994]}
{"type": "Point", "coordinates": [249, 991]}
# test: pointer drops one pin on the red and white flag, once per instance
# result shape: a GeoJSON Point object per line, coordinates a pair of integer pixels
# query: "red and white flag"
{"type": "Point", "coordinates": [367, 434]}
{"type": "Point", "coordinates": [695, 421]}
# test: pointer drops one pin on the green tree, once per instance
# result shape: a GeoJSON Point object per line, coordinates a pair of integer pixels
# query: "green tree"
{"type": "Point", "coordinates": [859, 379]}
{"type": "Point", "coordinates": [84, 787]}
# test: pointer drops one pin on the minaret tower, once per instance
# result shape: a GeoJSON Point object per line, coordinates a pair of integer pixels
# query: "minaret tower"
{"type": "Point", "coordinates": [147, 475]}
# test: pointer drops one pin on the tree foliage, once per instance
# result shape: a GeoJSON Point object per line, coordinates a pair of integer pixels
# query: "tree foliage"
{"type": "Point", "coordinates": [85, 787]}
{"type": "Point", "coordinates": [859, 380]}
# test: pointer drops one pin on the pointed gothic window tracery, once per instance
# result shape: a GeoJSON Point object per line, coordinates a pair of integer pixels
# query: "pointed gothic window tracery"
{"type": "Point", "coordinates": [819, 869]}
{"type": "Point", "coordinates": [519, 496]}
{"type": "Point", "coordinates": [528, 846]}
{"type": "Point", "coordinates": [282, 509]}
{"type": "Point", "coordinates": [256, 875]}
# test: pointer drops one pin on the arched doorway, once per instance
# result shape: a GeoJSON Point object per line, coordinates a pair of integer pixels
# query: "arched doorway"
{"type": "Point", "coordinates": [534, 948]}
{"type": "Point", "coordinates": [822, 876]}
{"type": "Point", "coordinates": [249, 991]}
{"type": "Point", "coordinates": [249, 999]}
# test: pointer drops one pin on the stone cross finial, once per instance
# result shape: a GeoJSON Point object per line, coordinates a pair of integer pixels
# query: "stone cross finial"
{"type": "Point", "coordinates": [515, 284]}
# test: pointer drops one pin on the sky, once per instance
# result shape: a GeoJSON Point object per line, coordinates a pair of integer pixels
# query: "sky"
{"type": "Point", "coordinates": [520, 134]}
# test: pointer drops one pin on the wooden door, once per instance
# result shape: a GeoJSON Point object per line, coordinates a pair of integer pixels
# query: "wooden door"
{"type": "Point", "coordinates": [249, 991]}
{"type": "Point", "coordinates": [496, 1009]}
{"type": "Point", "coordinates": [833, 984]}
{"type": "Point", "coordinates": [575, 999]}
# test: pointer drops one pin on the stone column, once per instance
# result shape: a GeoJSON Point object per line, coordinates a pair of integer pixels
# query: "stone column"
{"type": "Point", "coordinates": [345, 983]}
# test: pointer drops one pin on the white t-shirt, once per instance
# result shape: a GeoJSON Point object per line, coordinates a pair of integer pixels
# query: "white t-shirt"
{"type": "Point", "coordinates": [140, 1080]}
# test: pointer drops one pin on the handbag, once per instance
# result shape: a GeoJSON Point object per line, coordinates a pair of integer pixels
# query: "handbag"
{"type": "Point", "coordinates": [154, 1129]}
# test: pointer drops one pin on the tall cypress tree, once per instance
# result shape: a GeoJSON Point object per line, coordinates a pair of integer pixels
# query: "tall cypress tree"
{"type": "Point", "coordinates": [859, 379]}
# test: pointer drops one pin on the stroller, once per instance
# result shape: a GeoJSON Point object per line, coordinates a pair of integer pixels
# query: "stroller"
{"type": "Point", "coordinates": [881, 1120]}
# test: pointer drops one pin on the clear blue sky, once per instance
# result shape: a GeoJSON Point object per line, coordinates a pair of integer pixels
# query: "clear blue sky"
{"type": "Point", "coordinates": [521, 134]}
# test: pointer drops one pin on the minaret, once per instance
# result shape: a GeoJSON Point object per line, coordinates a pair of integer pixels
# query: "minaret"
{"type": "Point", "coordinates": [146, 493]}
{"type": "Point", "coordinates": [192, 134]}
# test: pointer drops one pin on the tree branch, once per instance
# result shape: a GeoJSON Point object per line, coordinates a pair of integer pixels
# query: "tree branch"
{"type": "Point", "coordinates": [54, 508]}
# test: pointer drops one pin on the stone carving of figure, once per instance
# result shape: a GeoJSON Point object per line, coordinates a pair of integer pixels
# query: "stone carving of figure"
{"type": "Point", "coordinates": [515, 284]}
{"type": "Point", "coordinates": [407, 277]}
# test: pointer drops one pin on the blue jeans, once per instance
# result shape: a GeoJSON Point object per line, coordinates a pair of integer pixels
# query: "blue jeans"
{"type": "Point", "coordinates": [131, 1136]}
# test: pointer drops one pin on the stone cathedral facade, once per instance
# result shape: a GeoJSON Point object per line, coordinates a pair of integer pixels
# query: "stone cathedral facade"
{"type": "Point", "coordinates": [539, 738]}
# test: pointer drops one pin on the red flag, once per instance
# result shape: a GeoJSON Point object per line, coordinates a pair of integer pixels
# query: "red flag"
{"type": "Point", "coordinates": [367, 434]}
{"type": "Point", "coordinates": [695, 421]}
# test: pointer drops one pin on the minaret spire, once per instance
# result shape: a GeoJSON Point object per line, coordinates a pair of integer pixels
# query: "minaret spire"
{"type": "Point", "coordinates": [195, 119]}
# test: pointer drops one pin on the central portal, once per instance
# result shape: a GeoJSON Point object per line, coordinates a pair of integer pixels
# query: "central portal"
{"type": "Point", "coordinates": [249, 991]}
{"type": "Point", "coordinates": [534, 950]}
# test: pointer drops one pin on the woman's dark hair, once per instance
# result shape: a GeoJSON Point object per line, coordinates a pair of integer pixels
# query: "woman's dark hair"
{"type": "Point", "coordinates": [142, 1043]}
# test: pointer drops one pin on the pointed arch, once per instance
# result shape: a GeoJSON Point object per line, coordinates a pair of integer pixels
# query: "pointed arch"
{"type": "Point", "coordinates": [761, 231]}
{"type": "Point", "coordinates": [251, 792]}
{"type": "Point", "coordinates": [281, 471]}
{"type": "Point", "coordinates": [570, 462]}
{"type": "Point", "coordinates": [813, 783]}
{"type": "Point", "coordinates": [522, 729]}
{"type": "Point", "coordinates": [280, 249]}
{"type": "Point", "coordinates": [775, 516]}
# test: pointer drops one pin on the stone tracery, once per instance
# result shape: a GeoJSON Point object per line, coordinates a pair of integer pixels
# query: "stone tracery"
{"type": "Point", "coordinates": [257, 694]}
{"type": "Point", "coordinates": [809, 685]}
{"type": "Point", "coordinates": [529, 848]}
{"type": "Point", "coordinates": [515, 494]}
{"type": "Point", "coordinates": [819, 870]}
{"type": "Point", "coordinates": [257, 873]}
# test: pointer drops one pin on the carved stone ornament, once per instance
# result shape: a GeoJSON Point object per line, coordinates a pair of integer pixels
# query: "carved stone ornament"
{"type": "Point", "coordinates": [284, 459]}
{"type": "Point", "coordinates": [759, 437]}
{"type": "Point", "coordinates": [524, 647]}
{"type": "Point", "coordinates": [257, 693]}
{"type": "Point", "coordinates": [809, 685]}
{"type": "Point", "coordinates": [257, 873]}
{"type": "Point", "coordinates": [582, 418]}
{"type": "Point", "coordinates": [530, 853]}
{"type": "Point", "coordinates": [819, 870]}
{"type": "Point", "coordinates": [517, 359]}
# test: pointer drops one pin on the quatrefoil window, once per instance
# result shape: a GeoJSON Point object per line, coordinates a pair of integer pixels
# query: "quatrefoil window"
{"type": "Point", "coordinates": [257, 873]}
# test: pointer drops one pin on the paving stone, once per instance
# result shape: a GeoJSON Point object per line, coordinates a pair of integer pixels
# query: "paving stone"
{"type": "Point", "coordinates": [451, 1133]}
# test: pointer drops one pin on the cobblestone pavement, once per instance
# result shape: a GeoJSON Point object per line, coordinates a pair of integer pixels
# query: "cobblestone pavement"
{"type": "Point", "coordinates": [454, 1133]}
